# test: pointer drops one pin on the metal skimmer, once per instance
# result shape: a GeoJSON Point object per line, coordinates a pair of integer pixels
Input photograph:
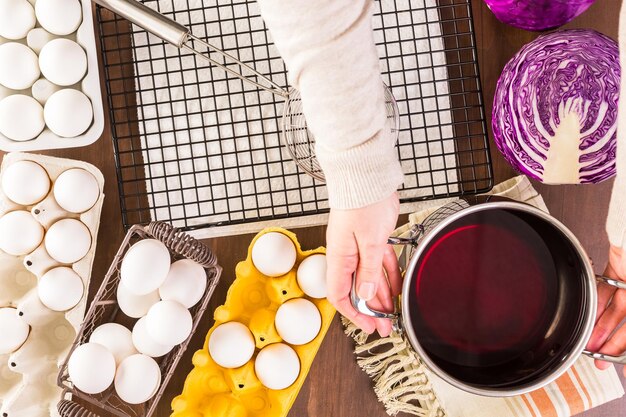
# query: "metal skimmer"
{"type": "Point", "coordinates": [296, 136]}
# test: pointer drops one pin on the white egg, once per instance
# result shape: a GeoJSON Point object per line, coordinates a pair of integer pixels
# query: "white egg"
{"type": "Point", "coordinates": [76, 190]}
{"type": "Point", "coordinates": [17, 17]}
{"type": "Point", "coordinates": [60, 17]}
{"type": "Point", "coordinates": [145, 266]}
{"type": "Point", "coordinates": [145, 344]}
{"type": "Point", "coordinates": [63, 62]}
{"type": "Point", "coordinates": [231, 345]}
{"type": "Point", "coordinates": [60, 289]}
{"type": "Point", "coordinates": [91, 368]}
{"type": "Point", "coordinates": [169, 323]}
{"type": "Point", "coordinates": [298, 321]}
{"type": "Point", "coordinates": [20, 233]}
{"type": "Point", "coordinates": [42, 90]}
{"type": "Point", "coordinates": [37, 38]}
{"type": "Point", "coordinates": [277, 366]}
{"type": "Point", "coordinates": [134, 305]}
{"type": "Point", "coordinates": [311, 276]}
{"type": "Point", "coordinates": [68, 241]}
{"type": "Point", "coordinates": [185, 283]}
{"type": "Point", "coordinates": [273, 254]}
{"type": "Point", "coordinates": [116, 338]}
{"type": "Point", "coordinates": [21, 118]}
{"type": "Point", "coordinates": [68, 113]}
{"type": "Point", "coordinates": [25, 183]}
{"type": "Point", "coordinates": [138, 378]}
{"type": "Point", "coordinates": [13, 329]}
{"type": "Point", "coordinates": [19, 67]}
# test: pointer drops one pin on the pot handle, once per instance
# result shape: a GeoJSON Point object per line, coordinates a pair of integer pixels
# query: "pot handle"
{"type": "Point", "coordinates": [359, 304]}
{"type": "Point", "coordinates": [607, 358]}
{"type": "Point", "coordinates": [602, 356]}
{"type": "Point", "coordinates": [611, 281]}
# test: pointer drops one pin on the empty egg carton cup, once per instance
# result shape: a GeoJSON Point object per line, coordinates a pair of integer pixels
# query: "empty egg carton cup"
{"type": "Point", "coordinates": [105, 309]}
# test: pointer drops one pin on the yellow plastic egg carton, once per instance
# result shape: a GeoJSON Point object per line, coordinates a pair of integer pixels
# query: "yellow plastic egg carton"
{"type": "Point", "coordinates": [252, 299]}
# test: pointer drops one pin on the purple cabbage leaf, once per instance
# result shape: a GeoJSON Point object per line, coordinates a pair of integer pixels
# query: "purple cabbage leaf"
{"type": "Point", "coordinates": [537, 15]}
{"type": "Point", "coordinates": [555, 108]}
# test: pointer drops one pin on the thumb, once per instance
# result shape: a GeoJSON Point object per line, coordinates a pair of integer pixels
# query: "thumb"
{"type": "Point", "coordinates": [369, 272]}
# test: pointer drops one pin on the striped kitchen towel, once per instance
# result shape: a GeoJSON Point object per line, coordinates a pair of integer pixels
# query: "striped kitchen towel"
{"type": "Point", "coordinates": [404, 384]}
{"type": "Point", "coordinates": [582, 387]}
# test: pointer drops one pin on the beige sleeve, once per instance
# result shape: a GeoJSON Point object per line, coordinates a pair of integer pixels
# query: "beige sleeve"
{"type": "Point", "coordinates": [616, 221]}
{"type": "Point", "coordinates": [329, 50]}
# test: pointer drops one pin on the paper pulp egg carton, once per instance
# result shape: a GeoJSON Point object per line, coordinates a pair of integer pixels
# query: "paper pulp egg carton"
{"type": "Point", "coordinates": [90, 85]}
{"type": "Point", "coordinates": [252, 299]}
{"type": "Point", "coordinates": [105, 309]}
{"type": "Point", "coordinates": [28, 375]}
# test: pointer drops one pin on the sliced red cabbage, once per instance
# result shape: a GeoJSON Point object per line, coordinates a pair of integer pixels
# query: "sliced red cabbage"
{"type": "Point", "coordinates": [537, 14]}
{"type": "Point", "coordinates": [555, 108]}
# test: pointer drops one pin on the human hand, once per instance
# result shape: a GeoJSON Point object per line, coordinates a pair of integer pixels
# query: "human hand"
{"type": "Point", "coordinates": [611, 311]}
{"type": "Point", "coordinates": [357, 241]}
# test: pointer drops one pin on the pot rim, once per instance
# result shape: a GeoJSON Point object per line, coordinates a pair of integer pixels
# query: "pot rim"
{"type": "Point", "coordinates": [589, 313]}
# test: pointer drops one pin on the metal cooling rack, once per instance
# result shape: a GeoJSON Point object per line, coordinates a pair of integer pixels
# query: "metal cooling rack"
{"type": "Point", "coordinates": [227, 164]}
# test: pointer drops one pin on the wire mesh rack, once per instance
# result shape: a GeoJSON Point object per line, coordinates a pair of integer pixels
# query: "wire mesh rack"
{"type": "Point", "coordinates": [198, 148]}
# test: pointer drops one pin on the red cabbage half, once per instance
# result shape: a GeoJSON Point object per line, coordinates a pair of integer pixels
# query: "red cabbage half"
{"type": "Point", "coordinates": [537, 14]}
{"type": "Point", "coordinates": [555, 108]}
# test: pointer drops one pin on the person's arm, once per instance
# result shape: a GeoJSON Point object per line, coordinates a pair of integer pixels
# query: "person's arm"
{"type": "Point", "coordinates": [331, 57]}
{"type": "Point", "coordinates": [612, 303]}
{"type": "Point", "coordinates": [616, 221]}
{"type": "Point", "coordinates": [329, 51]}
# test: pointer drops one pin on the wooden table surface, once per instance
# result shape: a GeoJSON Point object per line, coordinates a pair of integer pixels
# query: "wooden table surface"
{"type": "Point", "coordinates": [336, 386]}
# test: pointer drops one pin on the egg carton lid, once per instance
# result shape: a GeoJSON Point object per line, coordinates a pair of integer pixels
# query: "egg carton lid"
{"type": "Point", "coordinates": [28, 376]}
{"type": "Point", "coordinates": [105, 309]}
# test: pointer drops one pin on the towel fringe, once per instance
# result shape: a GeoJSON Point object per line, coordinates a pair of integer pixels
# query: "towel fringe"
{"type": "Point", "coordinates": [394, 407]}
{"type": "Point", "coordinates": [358, 335]}
{"type": "Point", "coordinates": [399, 377]}
{"type": "Point", "coordinates": [398, 364]}
{"type": "Point", "coordinates": [379, 361]}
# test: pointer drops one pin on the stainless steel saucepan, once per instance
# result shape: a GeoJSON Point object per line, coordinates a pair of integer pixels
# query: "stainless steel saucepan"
{"type": "Point", "coordinates": [571, 323]}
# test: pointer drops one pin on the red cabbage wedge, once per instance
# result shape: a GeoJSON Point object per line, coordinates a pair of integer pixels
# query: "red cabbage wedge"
{"type": "Point", "coordinates": [537, 14]}
{"type": "Point", "coordinates": [555, 108]}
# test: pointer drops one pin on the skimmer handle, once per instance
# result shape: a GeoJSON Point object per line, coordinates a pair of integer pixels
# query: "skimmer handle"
{"type": "Point", "coordinates": [154, 22]}
{"type": "Point", "coordinates": [181, 37]}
